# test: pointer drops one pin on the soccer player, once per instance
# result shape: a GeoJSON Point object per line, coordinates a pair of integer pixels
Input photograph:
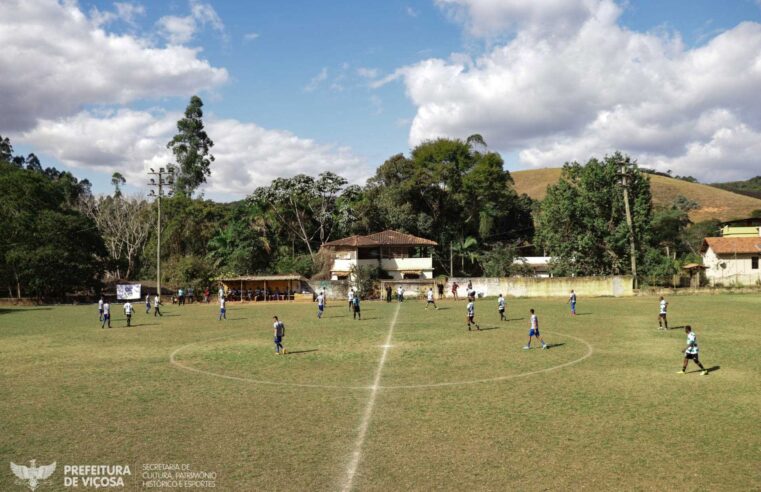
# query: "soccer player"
{"type": "Point", "coordinates": [320, 305]}
{"type": "Point", "coordinates": [455, 286]}
{"type": "Point", "coordinates": [663, 323]}
{"type": "Point", "coordinates": [430, 299]}
{"type": "Point", "coordinates": [351, 298]}
{"type": "Point", "coordinates": [534, 332]}
{"type": "Point", "coordinates": [147, 303]}
{"type": "Point", "coordinates": [106, 315]}
{"type": "Point", "coordinates": [222, 309]}
{"type": "Point", "coordinates": [501, 308]}
{"type": "Point", "coordinates": [279, 334]}
{"type": "Point", "coordinates": [572, 302]}
{"type": "Point", "coordinates": [471, 315]}
{"type": "Point", "coordinates": [156, 306]}
{"type": "Point", "coordinates": [128, 312]}
{"type": "Point", "coordinates": [355, 307]}
{"type": "Point", "coordinates": [400, 293]}
{"type": "Point", "coordinates": [388, 293]}
{"type": "Point", "coordinates": [100, 309]}
{"type": "Point", "coordinates": [691, 352]}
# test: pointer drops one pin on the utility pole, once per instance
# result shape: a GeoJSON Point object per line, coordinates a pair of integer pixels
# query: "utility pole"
{"type": "Point", "coordinates": [632, 244]}
{"type": "Point", "coordinates": [451, 260]}
{"type": "Point", "coordinates": [164, 178]}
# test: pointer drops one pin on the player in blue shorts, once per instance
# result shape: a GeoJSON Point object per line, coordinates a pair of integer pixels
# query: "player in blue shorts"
{"type": "Point", "coordinates": [100, 309]}
{"type": "Point", "coordinates": [355, 307]}
{"type": "Point", "coordinates": [147, 303]}
{"type": "Point", "coordinates": [572, 302]}
{"type": "Point", "coordinates": [501, 308]}
{"type": "Point", "coordinates": [222, 309]}
{"type": "Point", "coordinates": [471, 308]}
{"type": "Point", "coordinates": [320, 305]}
{"type": "Point", "coordinates": [106, 315]}
{"type": "Point", "coordinates": [534, 332]}
{"type": "Point", "coordinates": [279, 333]}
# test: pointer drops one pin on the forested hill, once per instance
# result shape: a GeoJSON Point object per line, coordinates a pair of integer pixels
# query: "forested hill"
{"type": "Point", "coordinates": [715, 203]}
{"type": "Point", "coordinates": [750, 187]}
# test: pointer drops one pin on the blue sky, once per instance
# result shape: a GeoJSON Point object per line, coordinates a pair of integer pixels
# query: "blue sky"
{"type": "Point", "coordinates": [314, 71]}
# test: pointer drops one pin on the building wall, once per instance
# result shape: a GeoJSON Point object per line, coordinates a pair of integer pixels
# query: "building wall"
{"type": "Point", "coordinates": [616, 286]}
{"type": "Point", "coordinates": [394, 266]}
{"type": "Point", "coordinates": [737, 268]}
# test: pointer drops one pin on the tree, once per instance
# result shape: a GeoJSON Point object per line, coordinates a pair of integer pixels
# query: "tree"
{"type": "Point", "coordinates": [6, 149]}
{"type": "Point", "coordinates": [191, 148]}
{"type": "Point", "coordinates": [582, 220]}
{"type": "Point", "coordinates": [117, 181]}
{"type": "Point", "coordinates": [466, 248]}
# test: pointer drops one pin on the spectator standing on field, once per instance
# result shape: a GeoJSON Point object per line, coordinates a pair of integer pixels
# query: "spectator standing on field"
{"type": "Point", "coordinates": [455, 286]}
{"type": "Point", "coordinates": [388, 293]}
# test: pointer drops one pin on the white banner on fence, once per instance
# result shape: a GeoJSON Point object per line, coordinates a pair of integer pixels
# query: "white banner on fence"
{"type": "Point", "coordinates": [128, 291]}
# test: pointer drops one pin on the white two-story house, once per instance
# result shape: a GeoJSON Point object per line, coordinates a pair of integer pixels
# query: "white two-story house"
{"type": "Point", "coordinates": [402, 256]}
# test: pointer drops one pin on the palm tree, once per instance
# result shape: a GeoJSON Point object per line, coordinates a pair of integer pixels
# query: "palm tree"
{"type": "Point", "coordinates": [466, 248]}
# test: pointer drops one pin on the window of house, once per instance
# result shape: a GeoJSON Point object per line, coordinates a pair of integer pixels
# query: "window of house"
{"type": "Point", "coordinates": [369, 253]}
{"type": "Point", "coordinates": [754, 262]}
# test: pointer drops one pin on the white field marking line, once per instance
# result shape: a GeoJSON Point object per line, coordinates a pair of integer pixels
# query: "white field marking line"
{"type": "Point", "coordinates": [356, 455]}
{"type": "Point", "coordinates": [174, 362]}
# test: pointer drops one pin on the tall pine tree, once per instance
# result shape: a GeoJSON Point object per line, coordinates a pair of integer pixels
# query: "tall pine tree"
{"type": "Point", "coordinates": [191, 148]}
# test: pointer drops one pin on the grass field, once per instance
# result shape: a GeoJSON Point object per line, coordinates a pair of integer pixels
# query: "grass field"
{"type": "Point", "coordinates": [450, 410]}
{"type": "Point", "coordinates": [715, 203]}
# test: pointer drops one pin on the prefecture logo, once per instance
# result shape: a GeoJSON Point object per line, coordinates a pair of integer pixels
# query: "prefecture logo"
{"type": "Point", "coordinates": [32, 476]}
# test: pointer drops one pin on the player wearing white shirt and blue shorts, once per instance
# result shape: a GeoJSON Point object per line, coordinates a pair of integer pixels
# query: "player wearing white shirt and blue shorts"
{"type": "Point", "coordinates": [100, 309]}
{"type": "Point", "coordinates": [279, 333]}
{"type": "Point", "coordinates": [106, 315]}
{"type": "Point", "coordinates": [691, 351]}
{"type": "Point", "coordinates": [663, 323]}
{"type": "Point", "coordinates": [534, 332]}
{"type": "Point", "coordinates": [222, 309]}
{"type": "Point", "coordinates": [320, 305]}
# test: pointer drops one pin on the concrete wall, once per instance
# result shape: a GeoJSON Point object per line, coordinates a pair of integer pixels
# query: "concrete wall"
{"type": "Point", "coordinates": [616, 286]}
{"type": "Point", "coordinates": [334, 289]}
{"type": "Point", "coordinates": [737, 269]}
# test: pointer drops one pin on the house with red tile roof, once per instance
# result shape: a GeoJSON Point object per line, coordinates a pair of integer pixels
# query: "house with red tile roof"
{"type": "Point", "coordinates": [402, 256]}
{"type": "Point", "coordinates": [732, 260]}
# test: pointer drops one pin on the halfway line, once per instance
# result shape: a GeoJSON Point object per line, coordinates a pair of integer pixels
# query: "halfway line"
{"type": "Point", "coordinates": [356, 456]}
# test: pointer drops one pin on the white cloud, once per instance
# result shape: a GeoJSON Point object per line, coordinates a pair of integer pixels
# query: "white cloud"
{"type": "Point", "coordinates": [595, 88]}
{"type": "Point", "coordinates": [180, 30]}
{"type": "Point", "coordinates": [411, 11]}
{"type": "Point", "coordinates": [247, 155]}
{"type": "Point", "coordinates": [251, 36]}
{"type": "Point", "coordinates": [317, 80]}
{"type": "Point", "coordinates": [367, 73]}
{"type": "Point", "coordinates": [56, 59]}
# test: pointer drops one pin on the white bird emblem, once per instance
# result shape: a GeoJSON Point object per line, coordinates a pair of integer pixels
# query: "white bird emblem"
{"type": "Point", "coordinates": [32, 474]}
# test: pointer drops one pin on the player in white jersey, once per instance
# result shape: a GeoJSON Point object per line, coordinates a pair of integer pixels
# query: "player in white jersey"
{"type": "Point", "coordinates": [351, 299]}
{"type": "Point", "coordinates": [471, 315]}
{"type": "Point", "coordinates": [222, 309]}
{"type": "Point", "coordinates": [663, 323]}
{"type": "Point", "coordinates": [128, 312]}
{"type": "Point", "coordinates": [691, 352]}
{"type": "Point", "coordinates": [157, 306]}
{"type": "Point", "coordinates": [320, 305]}
{"type": "Point", "coordinates": [100, 309]}
{"type": "Point", "coordinates": [106, 315]}
{"type": "Point", "coordinates": [147, 303]}
{"type": "Point", "coordinates": [430, 300]}
{"type": "Point", "coordinates": [279, 333]}
{"type": "Point", "coordinates": [534, 332]}
{"type": "Point", "coordinates": [501, 308]}
{"type": "Point", "coordinates": [572, 302]}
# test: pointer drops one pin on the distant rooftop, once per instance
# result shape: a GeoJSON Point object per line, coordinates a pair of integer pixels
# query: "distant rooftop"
{"type": "Point", "coordinates": [385, 238]}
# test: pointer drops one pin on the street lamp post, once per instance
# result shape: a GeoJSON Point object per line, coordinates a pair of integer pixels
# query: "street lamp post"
{"type": "Point", "coordinates": [164, 179]}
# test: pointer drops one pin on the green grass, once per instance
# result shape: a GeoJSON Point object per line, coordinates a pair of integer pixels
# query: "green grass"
{"type": "Point", "coordinates": [619, 419]}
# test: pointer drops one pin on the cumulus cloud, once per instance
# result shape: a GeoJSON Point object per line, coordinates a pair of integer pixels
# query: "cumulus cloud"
{"type": "Point", "coordinates": [181, 29]}
{"type": "Point", "coordinates": [247, 155]}
{"type": "Point", "coordinates": [592, 86]}
{"type": "Point", "coordinates": [56, 59]}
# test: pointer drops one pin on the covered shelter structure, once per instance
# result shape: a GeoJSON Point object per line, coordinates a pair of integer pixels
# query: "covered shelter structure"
{"type": "Point", "coordinates": [263, 288]}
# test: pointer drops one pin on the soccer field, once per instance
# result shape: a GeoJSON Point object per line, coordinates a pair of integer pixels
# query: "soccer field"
{"type": "Point", "coordinates": [404, 399]}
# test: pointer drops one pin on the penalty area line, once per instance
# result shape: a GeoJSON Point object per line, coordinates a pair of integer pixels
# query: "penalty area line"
{"type": "Point", "coordinates": [356, 455]}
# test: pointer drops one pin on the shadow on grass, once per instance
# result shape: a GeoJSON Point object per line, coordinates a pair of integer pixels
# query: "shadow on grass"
{"type": "Point", "coordinates": [141, 325]}
{"type": "Point", "coordinates": [553, 345]}
{"type": "Point", "coordinates": [490, 328]}
{"type": "Point", "coordinates": [712, 369]}
{"type": "Point", "coordinates": [583, 314]}
{"type": "Point", "coordinates": [516, 319]}
{"type": "Point", "coordinates": [681, 327]}
{"type": "Point", "coordinates": [295, 352]}
{"type": "Point", "coordinates": [18, 310]}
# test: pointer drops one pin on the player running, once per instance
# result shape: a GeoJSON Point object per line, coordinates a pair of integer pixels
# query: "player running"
{"type": "Point", "coordinates": [222, 309]}
{"type": "Point", "coordinates": [279, 332]}
{"type": "Point", "coordinates": [147, 303]}
{"type": "Point", "coordinates": [471, 315]}
{"type": "Point", "coordinates": [691, 352]}
{"type": "Point", "coordinates": [106, 315]}
{"type": "Point", "coordinates": [157, 306]}
{"type": "Point", "coordinates": [355, 307]}
{"type": "Point", "coordinates": [534, 332]}
{"type": "Point", "coordinates": [320, 305]}
{"type": "Point", "coordinates": [572, 302]}
{"type": "Point", "coordinates": [663, 323]}
{"type": "Point", "coordinates": [501, 308]}
{"type": "Point", "coordinates": [100, 309]}
{"type": "Point", "coordinates": [128, 312]}
{"type": "Point", "coordinates": [430, 299]}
